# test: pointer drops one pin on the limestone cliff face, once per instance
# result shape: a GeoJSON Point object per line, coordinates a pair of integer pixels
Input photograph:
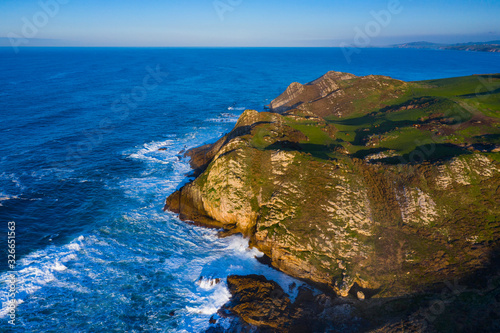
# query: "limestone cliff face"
{"type": "Point", "coordinates": [335, 217]}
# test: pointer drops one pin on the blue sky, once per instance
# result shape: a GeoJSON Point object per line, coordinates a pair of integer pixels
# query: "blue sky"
{"type": "Point", "coordinates": [244, 22]}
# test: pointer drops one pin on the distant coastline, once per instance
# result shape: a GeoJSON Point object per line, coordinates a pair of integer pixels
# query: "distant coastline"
{"type": "Point", "coordinates": [492, 46]}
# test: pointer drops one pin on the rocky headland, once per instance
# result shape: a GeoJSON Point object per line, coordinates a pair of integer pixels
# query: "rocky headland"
{"type": "Point", "coordinates": [383, 194]}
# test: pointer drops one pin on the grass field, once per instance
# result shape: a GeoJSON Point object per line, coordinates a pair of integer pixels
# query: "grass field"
{"type": "Point", "coordinates": [433, 119]}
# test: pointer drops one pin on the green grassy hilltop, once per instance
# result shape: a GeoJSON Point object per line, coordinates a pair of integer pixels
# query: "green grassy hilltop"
{"type": "Point", "coordinates": [399, 117]}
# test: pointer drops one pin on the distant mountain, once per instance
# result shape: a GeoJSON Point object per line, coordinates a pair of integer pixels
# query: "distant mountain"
{"type": "Point", "coordinates": [492, 46]}
{"type": "Point", "coordinates": [494, 42]}
{"type": "Point", "coordinates": [418, 45]}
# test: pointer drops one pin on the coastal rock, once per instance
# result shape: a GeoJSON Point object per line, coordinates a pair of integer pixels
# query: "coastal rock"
{"type": "Point", "coordinates": [333, 94]}
{"type": "Point", "coordinates": [266, 307]}
{"type": "Point", "coordinates": [260, 302]}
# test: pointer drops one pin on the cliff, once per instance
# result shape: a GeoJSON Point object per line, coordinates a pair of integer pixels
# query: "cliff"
{"type": "Point", "coordinates": [361, 184]}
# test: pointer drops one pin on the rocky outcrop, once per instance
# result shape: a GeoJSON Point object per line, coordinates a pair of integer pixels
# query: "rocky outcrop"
{"type": "Point", "coordinates": [268, 308]}
{"type": "Point", "coordinates": [333, 94]}
{"type": "Point", "coordinates": [385, 201]}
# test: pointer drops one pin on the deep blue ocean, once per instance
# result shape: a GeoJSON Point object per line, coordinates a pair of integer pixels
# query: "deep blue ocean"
{"type": "Point", "coordinates": [83, 177]}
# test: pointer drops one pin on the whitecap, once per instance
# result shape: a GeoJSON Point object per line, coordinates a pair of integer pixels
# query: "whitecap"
{"type": "Point", "coordinates": [208, 283]}
{"type": "Point", "coordinates": [5, 197]}
{"type": "Point", "coordinates": [226, 117]}
{"type": "Point", "coordinates": [59, 75]}
{"type": "Point", "coordinates": [38, 269]}
{"type": "Point", "coordinates": [212, 302]}
{"type": "Point", "coordinates": [154, 152]}
{"type": "Point", "coordinates": [5, 310]}
{"type": "Point", "coordinates": [59, 267]}
{"type": "Point", "coordinates": [13, 179]}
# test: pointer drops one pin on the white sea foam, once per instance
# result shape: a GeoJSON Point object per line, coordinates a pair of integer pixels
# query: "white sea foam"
{"type": "Point", "coordinates": [232, 257]}
{"type": "Point", "coordinates": [12, 181]}
{"type": "Point", "coordinates": [144, 247]}
{"type": "Point", "coordinates": [5, 197]}
{"type": "Point", "coordinates": [61, 75]}
{"type": "Point", "coordinates": [38, 269]}
{"type": "Point", "coordinates": [226, 117]}
{"type": "Point", "coordinates": [213, 301]}
{"type": "Point", "coordinates": [208, 283]}
{"type": "Point", "coordinates": [222, 120]}
{"type": "Point", "coordinates": [151, 152]}
{"type": "Point", "coordinates": [200, 280]}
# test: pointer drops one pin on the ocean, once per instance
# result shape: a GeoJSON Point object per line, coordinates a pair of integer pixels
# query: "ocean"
{"type": "Point", "coordinates": [91, 142]}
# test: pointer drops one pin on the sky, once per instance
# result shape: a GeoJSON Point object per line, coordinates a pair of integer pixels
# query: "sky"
{"type": "Point", "coordinates": [307, 23]}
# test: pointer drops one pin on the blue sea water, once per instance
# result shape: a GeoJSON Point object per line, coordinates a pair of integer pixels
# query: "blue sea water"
{"type": "Point", "coordinates": [83, 177]}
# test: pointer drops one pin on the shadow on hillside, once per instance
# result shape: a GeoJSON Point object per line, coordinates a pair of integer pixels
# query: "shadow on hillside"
{"type": "Point", "coordinates": [428, 152]}
{"type": "Point", "coordinates": [244, 130]}
{"type": "Point", "coordinates": [422, 153]}
{"type": "Point", "coordinates": [488, 138]}
{"type": "Point", "coordinates": [387, 126]}
{"type": "Point", "coordinates": [361, 154]}
{"type": "Point", "coordinates": [492, 92]}
{"type": "Point", "coordinates": [469, 304]}
{"type": "Point", "coordinates": [315, 150]}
